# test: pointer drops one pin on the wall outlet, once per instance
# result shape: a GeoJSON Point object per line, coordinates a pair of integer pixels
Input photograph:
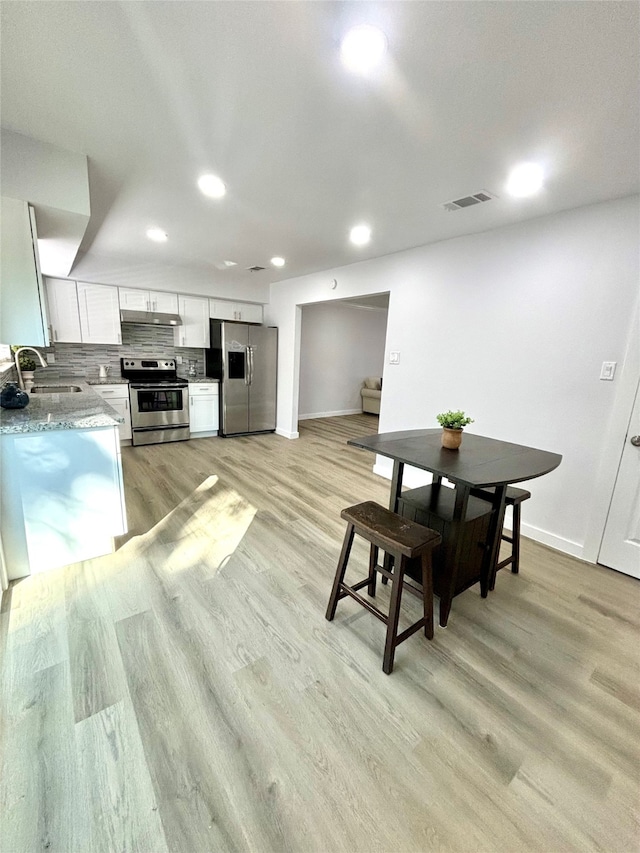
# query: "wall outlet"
{"type": "Point", "coordinates": [394, 358]}
{"type": "Point", "coordinates": [608, 370]}
{"type": "Point", "coordinates": [51, 358]}
{"type": "Point", "coordinates": [178, 359]}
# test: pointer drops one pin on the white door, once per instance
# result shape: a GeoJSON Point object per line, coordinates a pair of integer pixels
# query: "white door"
{"type": "Point", "coordinates": [99, 313]}
{"type": "Point", "coordinates": [221, 310]}
{"type": "Point", "coordinates": [134, 300]}
{"type": "Point", "coordinates": [164, 303]}
{"type": "Point", "coordinates": [64, 319]}
{"type": "Point", "coordinates": [250, 313]}
{"type": "Point", "coordinates": [620, 547]}
{"type": "Point", "coordinates": [194, 331]}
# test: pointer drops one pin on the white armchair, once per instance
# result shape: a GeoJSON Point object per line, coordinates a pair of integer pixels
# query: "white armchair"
{"type": "Point", "coordinates": [371, 392]}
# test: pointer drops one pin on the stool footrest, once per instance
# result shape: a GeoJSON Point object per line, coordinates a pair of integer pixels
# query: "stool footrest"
{"type": "Point", "coordinates": [421, 623]}
{"type": "Point", "coordinates": [349, 590]}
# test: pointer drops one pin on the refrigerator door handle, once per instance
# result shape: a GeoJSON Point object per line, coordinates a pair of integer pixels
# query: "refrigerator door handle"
{"type": "Point", "coordinates": [250, 352]}
{"type": "Point", "coordinates": [247, 367]}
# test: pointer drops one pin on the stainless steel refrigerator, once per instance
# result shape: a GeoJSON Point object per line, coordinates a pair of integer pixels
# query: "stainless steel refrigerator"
{"type": "Point", "coordinates": [243, 357]}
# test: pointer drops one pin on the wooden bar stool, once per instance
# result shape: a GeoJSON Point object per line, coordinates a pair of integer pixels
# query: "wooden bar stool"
{"type": "Point", "coordinates": [402, 539]}
{"type": "Point", "coordinates": [514, 497]}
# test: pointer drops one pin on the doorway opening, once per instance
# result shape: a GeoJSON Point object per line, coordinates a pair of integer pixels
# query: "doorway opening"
{"type": "Point", "coordinates": [342, 349]}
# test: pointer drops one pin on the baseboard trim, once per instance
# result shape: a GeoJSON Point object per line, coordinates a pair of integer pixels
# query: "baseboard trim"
{"type": "Point", "coordinates": [558, 543]}
{"type": "Point", "coordinates": [415, 478]}
{"type": "Point", "coordinates": [329, 414]}
{"type": "Point", "coordinates": [286, 434]}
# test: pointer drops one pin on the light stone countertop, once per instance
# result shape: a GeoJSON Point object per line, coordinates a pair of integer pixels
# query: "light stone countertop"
{"type": "Point", "coordinates": [77, 410]}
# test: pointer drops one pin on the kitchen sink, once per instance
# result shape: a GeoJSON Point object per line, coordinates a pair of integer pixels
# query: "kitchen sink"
{"type": "Point", "coordinates": [55, 389]}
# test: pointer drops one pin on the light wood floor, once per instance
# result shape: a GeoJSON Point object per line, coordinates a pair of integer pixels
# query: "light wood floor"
{"type": "Point", "coordinates": [187, 693]}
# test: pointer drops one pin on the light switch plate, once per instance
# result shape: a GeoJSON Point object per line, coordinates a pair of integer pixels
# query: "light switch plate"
{"type": "Point", "coordinates": [608, 370]}
{"type": "Point", "coordinates": [394, 358]}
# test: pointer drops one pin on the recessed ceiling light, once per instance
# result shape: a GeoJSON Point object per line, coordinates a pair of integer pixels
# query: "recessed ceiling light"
{"type": "Point", "coordinates": [360, 235]}
{"type": "Point", "coordinates": [212, 186]}
{"type": "Point", "coordinates": [363, 48]}
{"type": "Point", "coordinates": [157, 235]}
{"type": "Point", "coordinates": [230, 264]}
{"type": "Point", "coordinates": [277, 262]}
{"type": "Point", "coordinates": [525, 179]}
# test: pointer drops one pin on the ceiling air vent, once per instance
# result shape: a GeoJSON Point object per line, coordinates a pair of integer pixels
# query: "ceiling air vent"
{"type": "Point", "coordinates": [255, 269]}
{"type": "Point", "coordinates": [469, 200]}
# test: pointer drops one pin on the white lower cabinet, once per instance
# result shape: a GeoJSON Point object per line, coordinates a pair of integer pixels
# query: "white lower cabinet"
{"type": "Point", "coordinates": [117, 396]}
{"type": "Point", "coordinates": [62, 497]}
{"type": "Point", "coordinates": [203, 408]}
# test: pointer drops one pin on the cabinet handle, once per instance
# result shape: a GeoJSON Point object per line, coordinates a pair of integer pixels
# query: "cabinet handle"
{"type": "Point", "coordinates": [148, 305]}
{"type": "Point", "coordinates": [119, 338]}
{"type": "Point", "coordinates": [55, 334]}
{"type": "Point", "coordinates": [126, 404]}
{"type": "Point", "coordinates": [155, 304]}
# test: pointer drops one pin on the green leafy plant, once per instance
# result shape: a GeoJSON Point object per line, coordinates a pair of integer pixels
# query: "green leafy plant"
{"type": "Point", "coordinates": [24, 359]}
{"type": "Point", "coordinates": [453, 420]}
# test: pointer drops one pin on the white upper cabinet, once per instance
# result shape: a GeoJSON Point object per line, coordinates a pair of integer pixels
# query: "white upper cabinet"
{"type": "Point", "coordinates": [249, 312]}
{"type": "Point", "coordinates": [148, 300]}
{"type": "Point", "coordinates": [64, 317]}
{"type": "Point", "coordinates": [23, 315]}
{"type": "Point", "coordinates": [99, 313]}
{"type": "Point", "coordinates": [244, 312]}
{"type": "Point", "coordinates": [194, 331]}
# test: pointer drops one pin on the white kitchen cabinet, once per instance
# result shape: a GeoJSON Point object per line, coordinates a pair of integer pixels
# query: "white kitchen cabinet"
{"type": "Point", "coordinates": [118, 397]}
{"type": "Point", "coordinates": [194, 331]}
{"type": "Point", "coordinates": [99, 313]}
{"type": "Point", "coordinates": [62, 497]}
{"type": "Point", "coordinates": [204, 411]}
{"type": "Point", "coordinates": [244, 312]}
{"type": "Point", "coordinates": [64, 316]}
{"type": "Point", "coordinates": [148, 300]}
{"type": "Point", "coordinates": [23, 313]}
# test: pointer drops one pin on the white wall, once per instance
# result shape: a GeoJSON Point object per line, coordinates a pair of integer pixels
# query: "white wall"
{"type": "Point", "coordinates": [512, 326]}
{"type": "Point", "coordinates": [341, 344]}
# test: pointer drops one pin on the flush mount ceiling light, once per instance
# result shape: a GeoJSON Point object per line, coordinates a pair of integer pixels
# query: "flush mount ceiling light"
{"type": "Point", "coordinates": [525, 179]}
{"type": "Point", "coordinates": [360, 235]}
{"type": "Point", "coordinates": [230, 264]}
{"type": "Point", "coordinates": [212, 186]}
{"type": "Point", "coordinates": [363, 48]}
{"type": "Point", "coordinates": [157, 235]}
{"type": "Point", "coordinates": [277, 262]}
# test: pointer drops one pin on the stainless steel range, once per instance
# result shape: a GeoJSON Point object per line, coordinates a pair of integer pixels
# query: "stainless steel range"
{"type": "Point", "coordinates": [159, 400]}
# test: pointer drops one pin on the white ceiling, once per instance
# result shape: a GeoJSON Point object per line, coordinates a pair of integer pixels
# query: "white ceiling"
{"type": "Point", "coordinates": [156, 93]}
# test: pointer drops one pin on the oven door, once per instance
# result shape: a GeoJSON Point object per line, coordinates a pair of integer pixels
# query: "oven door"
{"type": "Point", "coordinates": [159, 405]}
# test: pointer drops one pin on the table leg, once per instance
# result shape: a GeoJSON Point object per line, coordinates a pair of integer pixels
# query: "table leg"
{"type": "Point", "coordinates": [394, 498]}
{"type": "Point", "coordinates": [459, 513]}
{"type": "Point", "coordinates": [492, 552]}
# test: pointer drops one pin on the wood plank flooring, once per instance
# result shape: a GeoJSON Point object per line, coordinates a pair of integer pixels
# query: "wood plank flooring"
{"type": "Point", "coordinates": [187, 694]}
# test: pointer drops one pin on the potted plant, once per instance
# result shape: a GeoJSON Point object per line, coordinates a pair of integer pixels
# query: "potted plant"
{"type": "Point", "coordinates": [452, 424]}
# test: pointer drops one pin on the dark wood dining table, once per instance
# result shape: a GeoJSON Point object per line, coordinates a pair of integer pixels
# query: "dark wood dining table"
{"type": "Point", "coordinates": [480, 463]}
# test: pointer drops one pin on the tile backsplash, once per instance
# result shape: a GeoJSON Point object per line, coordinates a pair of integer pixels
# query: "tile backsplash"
{"type": "Point", "coordinates": [137, 342]}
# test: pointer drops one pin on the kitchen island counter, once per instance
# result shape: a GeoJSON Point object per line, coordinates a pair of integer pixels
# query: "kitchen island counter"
{"type": "Point", "coordinates": [82, 409]}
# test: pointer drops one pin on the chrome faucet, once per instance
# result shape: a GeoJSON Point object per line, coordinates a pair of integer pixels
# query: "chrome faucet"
{"type": "Point", "coordinates": [17, 359]}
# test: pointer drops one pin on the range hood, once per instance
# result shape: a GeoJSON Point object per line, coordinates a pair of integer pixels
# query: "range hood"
{"type": "Point", "coordinates": [150, 318]}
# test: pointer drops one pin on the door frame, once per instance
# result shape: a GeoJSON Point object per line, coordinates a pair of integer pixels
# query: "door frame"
{"type": "Point", "coordinates": [613, 444]}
